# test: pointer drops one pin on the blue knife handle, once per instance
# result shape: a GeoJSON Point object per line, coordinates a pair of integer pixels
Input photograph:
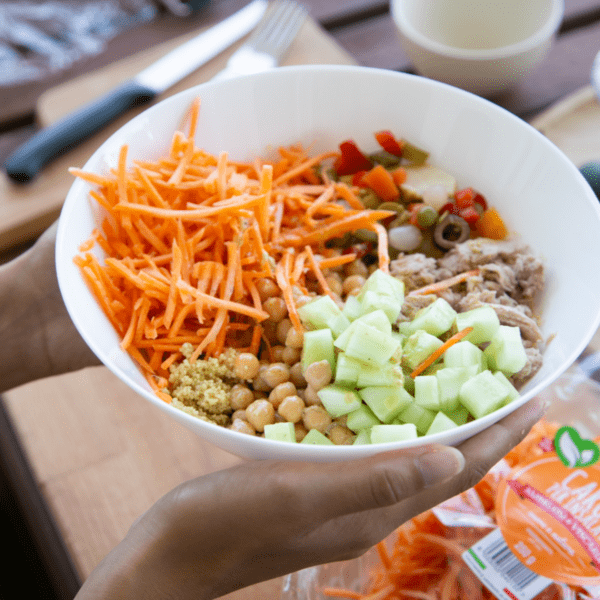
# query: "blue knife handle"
{"type": "Point", "coordinates": [49, 143]}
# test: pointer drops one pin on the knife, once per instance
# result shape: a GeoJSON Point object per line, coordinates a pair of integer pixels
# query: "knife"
{"type": "Point", "coordinates": [591, 170]}
{"type": "Point", "coordinates": [52, 141]}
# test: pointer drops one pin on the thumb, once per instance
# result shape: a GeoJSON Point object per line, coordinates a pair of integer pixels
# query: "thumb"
{"type": "Point", "coordinates": [384, 479]}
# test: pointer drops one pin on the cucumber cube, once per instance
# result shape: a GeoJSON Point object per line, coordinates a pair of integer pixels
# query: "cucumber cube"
{"type": "Point", "coordinates": [338, 400]}
{"type": "Point", "coordinates": [376, 319]}
{"type": "Point", "coordinates": [316, 438]}
{"type": "Point", "coordinates": [383, 284]}
{"type": "Point", "coordinates": [361, 418]}
{"type": "Point", "coordinates": [506, 352]}
{"type": "Point", "coordinates": [417, 415]}
{"type": "Point", "coordinates": [450, 380]}
{"type": "Point", "coordinates": [440, 423]}
{"type": "Point", "coordinates": [370, 345]}
{"type": "Point", "coordinates": [417, 347]}
{"type": "Point", "coordinates": [346, 371]}
{"type": "Point", "coordinates": [380, 434]}
{"type": "Point", "coordinates": [388, 374]}
{"type": "Point", "coordinates": [317, 313]}
{"type": "Point", "coordinates": [484, 322]}
{"type": "Point", "coordinates": [386, 402]}
{"type": "Point", "coordinates": [483, 394]}
{"type": "Point", "coordinates": [281, 432]}
{"type": "Point", "coordinates": [372, 301]}
{"type": "Point", "coordinates": [513, 393]}
{"type": "Point", "coordinates": [338, 324]}
{"type": "Point", "coordinates": [352, 308]}
{"type": "Point", "coordinates": [362, 437]}
{"type": "Point", "coordinates": [318, 345]}
{"type": "Point", "coordinates": [427, 392]}
{"type": "Point", "coordinates": [437, 318]}
{"type": "Point", "coordinates": [460, 415]}
{"type": "Point", "coordinates": [465, 354]}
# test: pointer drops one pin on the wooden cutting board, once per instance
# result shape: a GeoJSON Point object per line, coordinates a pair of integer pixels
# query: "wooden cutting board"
{"type": "Point", "coordinates": [26, 210]}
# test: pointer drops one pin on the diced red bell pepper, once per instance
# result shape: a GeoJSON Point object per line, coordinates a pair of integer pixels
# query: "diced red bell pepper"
{"type": "Point", "coordinates": [479, 199]}
{"type": "Point", "coordinates": [351, 159]}
{"type": "Point", "coordinates": [470, 215]}
{"type": "Point", "coordinates": [449, 207]}
{"type": "Point", "coordinates": [464, 198]}
{"type": "Point", "coordinates": [389, 143]}
{"type": "Point", "coordinates": [357, 178]}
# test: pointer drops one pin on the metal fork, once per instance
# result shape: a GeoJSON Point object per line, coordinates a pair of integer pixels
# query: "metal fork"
{"type": "Point", "coordinates": [269, 42]}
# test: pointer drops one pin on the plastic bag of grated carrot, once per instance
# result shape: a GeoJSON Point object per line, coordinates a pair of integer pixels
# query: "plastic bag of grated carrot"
{"type": "Point", "coordinates": [530, 530]}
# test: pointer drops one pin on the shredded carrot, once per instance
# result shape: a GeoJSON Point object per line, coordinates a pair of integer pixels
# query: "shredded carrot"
{"type": "Point", "coordinates": [439, 351]}
{"type": "Point", "coordinates": [188, 237]}
{"type": "Point", "coordinates": [440, 286]}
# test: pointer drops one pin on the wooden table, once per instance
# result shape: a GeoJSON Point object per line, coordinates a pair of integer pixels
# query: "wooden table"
{"type": "Point", "coordinates": [84, 456]}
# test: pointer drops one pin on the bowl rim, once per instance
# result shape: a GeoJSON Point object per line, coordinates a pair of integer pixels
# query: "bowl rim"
{"type": "Point", "coordinates": [546, 32]}
{"type": "Point", "coordinates": [260, 445]}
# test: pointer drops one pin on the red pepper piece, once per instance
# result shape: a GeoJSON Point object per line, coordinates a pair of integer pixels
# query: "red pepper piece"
{"type": "Point", "coordinates": [357, 178]}
{"type": "Point", "coordinates": [470, 215]}
{"type": "Point", "coordinates": [449, 207]}
{"type": "Point", "coordinates": [351, 159]}
{"type": "Point", "coordinates": [480, 200]}
{"type": "Point", "coordinates": [464, 198]}
{"type": "Point", "coordinates": [389, 143]}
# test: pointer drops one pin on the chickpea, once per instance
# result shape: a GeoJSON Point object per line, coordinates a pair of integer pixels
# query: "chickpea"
{"type": "Point", "coordinates": [335, 284]}
{"type": "Point", "coordinates": [316, 417]}
{"type": "Point", "coordinates": [311, 398]}
{"type": "Point", "coordinates": [260, 413]}
{"type": "Point", "coordinates": [239, 414]}
{"type": "Point", "coordinates": [246, 365]}
{"type": "Point", "coordinates": [275, 374]}
{"type": "Point", "coordinates": [282, 330]}
{"type": "Point", "coordinates": [242, 427]}
{"type": "Point", "coordinates": [276, 307]}
{"type": "Point", "coordinates": [240, 396]}
{"type": "Point", "coordinates": [270, 330]}
{"type": "Point", "coordinates": [290, 356]}
{"type": "Point", "coordinates": [357, 267]}
{"type": "Point", "coordinates": [267, 288]}
{"type": "Point", "coordinates": [294, 338]}
{"type": "Point", "coordinates": [300, 431]}
{"type": "Point", "coordinates": [318, 374]}
{"type": "Point", "coordinates": [341, 435]}
{"type": "Point", "coordinates": [283, 390]}
{"type": "Point", "coordinates": [259, 384]}
{"type": "Point", "coordinates": [291, 408]}
{"type": "Point", "coordinates": [277, 353]}
{"type": "Point", "coordinates": [297, 376]}
{"type": "Point", "coordinates": [353, 282]}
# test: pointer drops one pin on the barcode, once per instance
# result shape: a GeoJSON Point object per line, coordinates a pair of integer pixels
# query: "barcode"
{"type": "Point", "coordinates": [500, 556]}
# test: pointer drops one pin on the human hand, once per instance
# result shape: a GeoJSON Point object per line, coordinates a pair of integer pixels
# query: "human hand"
{"type": "Point", "coordinates": [263, 519]}
{"type": "Point", "coordinates": [38, 336]}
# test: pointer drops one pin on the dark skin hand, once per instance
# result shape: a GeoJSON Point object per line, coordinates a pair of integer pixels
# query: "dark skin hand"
{"type": "Point", "coordinates": [255, 521]}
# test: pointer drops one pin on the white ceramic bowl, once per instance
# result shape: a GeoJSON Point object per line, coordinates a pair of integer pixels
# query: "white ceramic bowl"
{"type": "Point", "coordinates": [483, 46]}
{"type": "Point", "coordinates": [536, 188]}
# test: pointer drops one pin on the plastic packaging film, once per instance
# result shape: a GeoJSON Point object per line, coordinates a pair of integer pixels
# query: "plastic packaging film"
{"type": "Point", "coordinates": [529, 531]}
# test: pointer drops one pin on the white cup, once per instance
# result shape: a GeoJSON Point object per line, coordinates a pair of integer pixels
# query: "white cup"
{"type": "Point", "coordinates": [483, 46]}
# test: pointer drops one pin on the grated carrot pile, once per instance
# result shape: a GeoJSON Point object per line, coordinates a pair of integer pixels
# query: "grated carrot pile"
{"type": "Point", "coordinates": [424, 557]}
{"type": "Point", "coordinates": [188, 236]}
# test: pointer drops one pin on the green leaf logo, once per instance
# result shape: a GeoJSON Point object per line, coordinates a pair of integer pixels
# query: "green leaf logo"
{"type": "Point", "coordinates": [573, 450]}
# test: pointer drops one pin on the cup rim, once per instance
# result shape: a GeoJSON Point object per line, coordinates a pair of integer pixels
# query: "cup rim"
{"type": "Point", "coordinates": [546, 32]}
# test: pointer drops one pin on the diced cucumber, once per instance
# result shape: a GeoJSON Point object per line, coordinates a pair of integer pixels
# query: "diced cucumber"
{"type": "Point", "coordinates": [388, 374]}
{"type": "Point", "coordinates": [465, 354]}
{"type": "Point", "coordinates": [361, 418]}
{"type": "Point", "coordinates": [417, 415]}
{"type": "Point", "coordinates": [403, 328]}
{"type": "Point", "coordinates": [383, 284]}
{"type": "Point", "coordinates": [417, 347]}
{"type": "Point", "coordinates": [437, 318]}
{"type": "Point", "coordinates": [346, 371]}
{"type": "Point", "coordinates": [380, 434]}
{"type": "Point", "coordinates": [506, 352]}
{"type": "Point", "coordinates": [318, 312]}
{"type": "Point", "coordinates": [316, 438]}
{"type": "Point", "coordinates": [440, 423]}
{"type": "Point", "coordinates": [484, 322]}
{"type": "Point", "coordinates": [483, 394]}
{"type": "Point", "coordinates": [450, 380]}
{"type": "Point", "coordinates": [282, 432]}
{"type": "Point", "coordinates": [370, 345]}
{"type": "Point", "coordinates": [385, 401]}
{"type": "Point", "coordinates": [376, 319]}
{"type": "Point", "coordinates": [318, 345]}
{"type": "Point", "coordinates": [427, 392]}
{"type": "Point", "coordinates": [373, 300]}
{"type": "Point", "coordinates": [338, 400]}
{"type": "Point", "coordinates": [362, 437]}
{"type": "Point", "coordinates": [338, 324]}
{"type": "Point", "coordinates": [513, 393]}
{"type": "Point", "coordinates": [352, 308]}
{"type": "Point", "coordinates": [460, 415]}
